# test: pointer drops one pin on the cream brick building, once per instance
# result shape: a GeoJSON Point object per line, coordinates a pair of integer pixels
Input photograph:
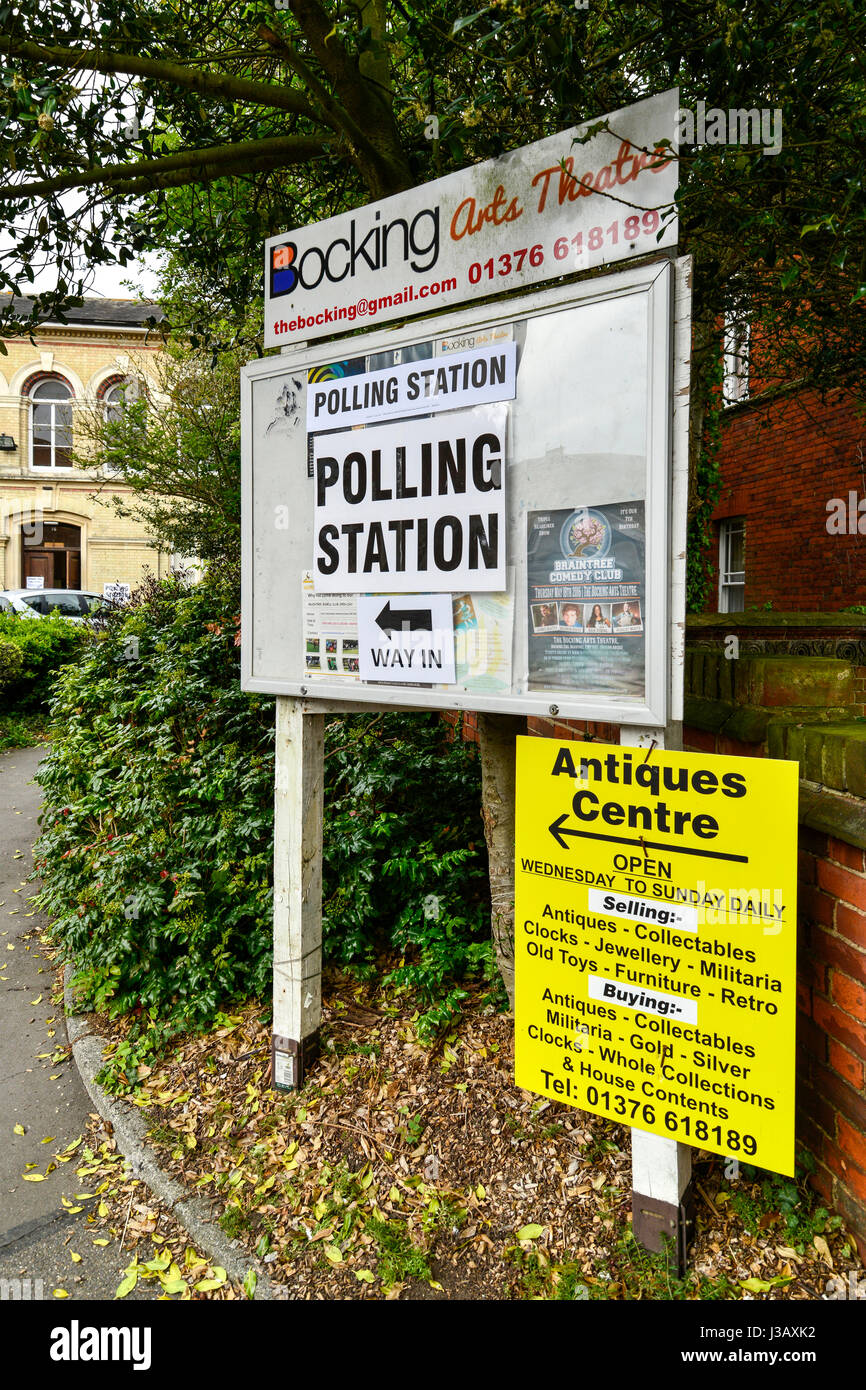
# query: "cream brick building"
{"type": "Point", "coordinates": [57, 521]}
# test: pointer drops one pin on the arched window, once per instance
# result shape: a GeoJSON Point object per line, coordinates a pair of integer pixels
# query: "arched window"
{"type": "Point", "coordinates": [116, 394]}
{"type": "Point", "coordinates": [51, 433]}
{"type": "Point", "coordinates": [113, 401]}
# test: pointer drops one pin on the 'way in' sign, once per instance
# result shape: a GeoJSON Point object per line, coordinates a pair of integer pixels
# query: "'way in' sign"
{"type": "Point", "coordinates": [406, 639]}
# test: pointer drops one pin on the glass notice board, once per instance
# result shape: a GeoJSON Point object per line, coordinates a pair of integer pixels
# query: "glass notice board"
{"type": "Point", "coordinates": [469, 512]}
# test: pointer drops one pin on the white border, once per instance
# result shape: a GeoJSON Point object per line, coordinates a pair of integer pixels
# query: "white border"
{"type": "Point", "coordinates": [667, 440]}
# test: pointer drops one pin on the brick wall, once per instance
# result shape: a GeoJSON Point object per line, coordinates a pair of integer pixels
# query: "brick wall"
{"type": "Point", "coordinates": [699, 741]}
{"type": "Point", "coordinates": [780, 465]}
{"type": "Point", "coordinates": [831, 1021]}
{"type": "Point", "coordinates": [547, 728]}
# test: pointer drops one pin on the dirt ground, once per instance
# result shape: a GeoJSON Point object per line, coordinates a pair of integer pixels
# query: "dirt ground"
{"type": "Point", "coordinates": [408, 1172]}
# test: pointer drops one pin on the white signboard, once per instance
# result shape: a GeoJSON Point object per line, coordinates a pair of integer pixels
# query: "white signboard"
{"type": "Point", "coordinates": [406, 638]}
{"type": "Point", "coordinates": [414, 388]}
{"type": "Point", "coordinates": [542, 211]}
{"type": "Point", "coordinates": [117, 592]}
{"type": "Point", "coordinates": [412, 507]}
{"type": "Point", "coordinates": [35, 581]}
{"type": "Point", "coordinates": [533, 532]}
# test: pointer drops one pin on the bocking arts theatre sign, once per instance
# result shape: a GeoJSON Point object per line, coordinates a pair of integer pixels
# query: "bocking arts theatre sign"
{"type": "Point", "coordinates": [566, 203]}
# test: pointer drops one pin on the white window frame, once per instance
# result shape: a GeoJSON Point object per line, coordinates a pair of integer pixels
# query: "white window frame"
{"type": "Point", "coordinates": [126, 384]}
{"type": "Point", "coordinates": [107, 403]}
{"type": "Point", "coordinates": [729, 579]}
{"type": "Point", "coordinates": [33, 402]}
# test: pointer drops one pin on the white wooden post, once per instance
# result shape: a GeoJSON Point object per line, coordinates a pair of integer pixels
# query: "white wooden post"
{"type": "Point", "coordinates": [298, 810]}
{"type": "Point", "coordinates": [661, 1169]}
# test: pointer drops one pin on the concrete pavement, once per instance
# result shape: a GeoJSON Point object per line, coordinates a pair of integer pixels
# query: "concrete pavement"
{"type": "Point", "coordinates": [42, 1092]}
{"type": "Point", "coordinates": [40, 1089]}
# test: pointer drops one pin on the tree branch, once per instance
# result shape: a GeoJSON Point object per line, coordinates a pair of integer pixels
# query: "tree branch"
{"type": "Point", "coordinates": [366, 101]}
{"type": "Point", "coordinates": [336, 117]}
{"type": "Point", "coordinates": [213, 162]}
{"type": "Point", "coordinates": [216, 84]}
{"type": "Point", "coordinates": [318, 28]}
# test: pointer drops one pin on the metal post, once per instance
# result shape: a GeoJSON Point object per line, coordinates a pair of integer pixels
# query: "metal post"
{"type": "Point", "coordinates": [661, 1169]}
{"type": "Point", "coordinates": [298, 810]}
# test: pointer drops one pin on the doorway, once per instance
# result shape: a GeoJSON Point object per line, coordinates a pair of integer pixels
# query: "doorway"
{"type": "Point", "coordinates": [52, 553]}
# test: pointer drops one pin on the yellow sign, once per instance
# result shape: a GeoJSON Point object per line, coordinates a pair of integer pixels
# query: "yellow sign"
{"type": "Point", "coordinates": [655, 941]}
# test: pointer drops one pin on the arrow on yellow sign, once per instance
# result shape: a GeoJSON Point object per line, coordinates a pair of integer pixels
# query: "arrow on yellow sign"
{"type": "Point", "coordinates": [559, 828]}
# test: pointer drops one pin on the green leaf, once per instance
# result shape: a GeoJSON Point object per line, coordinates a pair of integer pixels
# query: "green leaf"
{"type": "Point", "coordinates": [754, 1285]}
{"type": "Point", "coordinates": [530, 1232]}
{"type": "Point", "coordinates": [127, 1284]}
{"type": "Point", "coordinates": [160, 1263]}
{"type": "Point", "coordinates": [460, 24]}
{"type": "Point", "coordinates": [173, 1285]}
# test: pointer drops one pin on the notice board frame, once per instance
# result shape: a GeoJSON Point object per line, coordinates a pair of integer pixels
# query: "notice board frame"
{"type": "Point", "coordinates": [665, 283]}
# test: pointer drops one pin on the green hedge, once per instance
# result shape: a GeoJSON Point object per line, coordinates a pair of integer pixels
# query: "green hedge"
{"type": "Point", "coordinates": [44, 647]}
{"type": "Point", "coordinates": [405, 857]}
{"type": "Point", "coordinates": [157, 844]}
{"type": "Point", "coordinates": [157, 825]}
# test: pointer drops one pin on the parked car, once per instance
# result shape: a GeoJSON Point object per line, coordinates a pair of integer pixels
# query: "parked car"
{"type": "Point", "coordinates": [10, 603]}
{"type": "Point", "coordinates": [78, 604]}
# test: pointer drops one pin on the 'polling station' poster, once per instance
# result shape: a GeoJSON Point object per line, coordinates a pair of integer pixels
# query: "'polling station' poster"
{"type": "Point", "coordinates": [586, 571]}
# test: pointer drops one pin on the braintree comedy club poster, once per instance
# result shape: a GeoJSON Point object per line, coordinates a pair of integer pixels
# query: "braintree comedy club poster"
{"type": "Point", "coordinates": [586, 577]}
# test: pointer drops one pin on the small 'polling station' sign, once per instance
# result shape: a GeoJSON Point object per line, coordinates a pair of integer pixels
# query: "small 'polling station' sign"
{"type": "Point", "coordinates": [480, 377]}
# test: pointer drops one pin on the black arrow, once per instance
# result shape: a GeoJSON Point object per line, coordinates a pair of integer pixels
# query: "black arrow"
{"type": "Point", "coordinates": [392, 620]}
{"type": "Point", "coordinates": [558, 829]}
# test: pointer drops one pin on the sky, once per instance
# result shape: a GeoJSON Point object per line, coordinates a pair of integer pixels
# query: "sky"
{"type": "Point", "coordinates": [112, 282]}
{"type": "Point", "coordinates": [106, 282]}
{"type": "Point", "coordinates": [136, 279]}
